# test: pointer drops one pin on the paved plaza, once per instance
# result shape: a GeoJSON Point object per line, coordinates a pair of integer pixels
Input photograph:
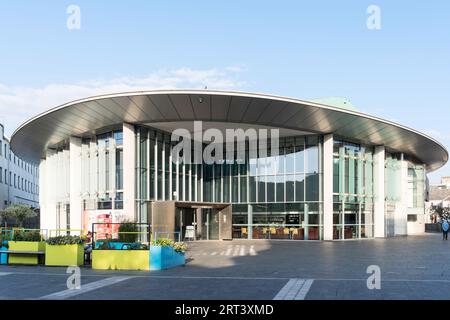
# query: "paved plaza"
{"type": "Point", "coordinates": [414, 267]}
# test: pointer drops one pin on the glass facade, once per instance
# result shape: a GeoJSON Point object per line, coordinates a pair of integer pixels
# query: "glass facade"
{"type": "Point", "coordinates": [102, 170]}
{"type": "Point", "coordinates": [416, 185]}
{"type": "Point", "coordinates": [331, 174]}
{"type": "Point", "coordinates": [353, 189]}
{"type": "Point", "coordinates": [403, 173]}
{"type": "Point", "coordinates": [416, 191]}
{"type": "Point", "coordinates": [274, 194]}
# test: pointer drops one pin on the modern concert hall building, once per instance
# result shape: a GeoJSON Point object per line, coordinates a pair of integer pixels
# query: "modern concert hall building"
{"type": "Point", "coordinates": [336, 173]}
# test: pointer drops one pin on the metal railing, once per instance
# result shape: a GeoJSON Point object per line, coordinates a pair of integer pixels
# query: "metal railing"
{"type": "Point", "coordinates": [65, 232]}
{"type": "Point", "coordinates": [111, 234]}
{"type": "Point", "coordinates": [168, 235]}
{"type": "Point", "coordinates": [12, 231]}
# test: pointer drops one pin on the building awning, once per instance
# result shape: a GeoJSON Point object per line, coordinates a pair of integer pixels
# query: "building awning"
{"type": "Point", "coordinates": [87, 116]}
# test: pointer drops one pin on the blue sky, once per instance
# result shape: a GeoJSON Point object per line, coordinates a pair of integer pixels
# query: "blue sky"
{"type": "Point", "coordinates": [302, 49]}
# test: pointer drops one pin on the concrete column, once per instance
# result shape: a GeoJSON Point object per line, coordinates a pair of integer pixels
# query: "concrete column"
{"type": "Point", "coordinates": [306, 225]}
{"type": "Point", "coordinates": [199, 221]}
{"type": "Point", "coordinates": [225, 229]}
{"type": "Point", "coordinates": [379, 195]}
{"type": "Point", "coordinates": [75, 183]}
{"type": "Point", "coordinates": [328, 187]}
{"type": "Point", "coordinates": [101, 171]}
{"type": "Point", "coordinates": [250, 220]}
{"type": "Point", "coordinates": [155, 181]}
{"type": "Point", "coordinates": [93, 159]}
{"type": "Point", "coordinates": [148, 195]}
{"type": "Point", "coordinates": [129, 172]}
{"type": "Point", "coordinates": [47, 193]}
{"type": "Point", "coordinates": [170, 182]}
{"type": "Point", "coordinates": [65, 165]}
{"type": "Point", "coordinates": [42, 194]}
{"type": "Point", "coordinates": [401, 210]}
{"type": "Point", "coordinates": [112, 169]}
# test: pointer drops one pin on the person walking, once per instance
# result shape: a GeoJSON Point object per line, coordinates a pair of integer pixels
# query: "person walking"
{"type": "Point", "coordinates": [445, 227]}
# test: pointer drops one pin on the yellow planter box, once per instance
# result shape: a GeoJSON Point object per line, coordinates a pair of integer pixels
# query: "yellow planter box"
{"type": "Point", "coordinates": [24, 246]}
{"type": "Point", "coordinates": [121, 259]}
{"type": "Point", "coordinates": [64, 255]}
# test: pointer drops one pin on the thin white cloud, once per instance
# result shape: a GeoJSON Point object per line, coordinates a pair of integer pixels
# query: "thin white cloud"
{"type": "Point", "coordinates": [18, 104]}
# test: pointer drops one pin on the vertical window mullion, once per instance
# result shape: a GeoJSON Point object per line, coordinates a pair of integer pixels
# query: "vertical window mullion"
{"type": "Point", "coordinates": [155, 161]}
{"type": "Point", "coordinates": [148, 173]}
{"type": "Point", "coordinates": [163, 170]}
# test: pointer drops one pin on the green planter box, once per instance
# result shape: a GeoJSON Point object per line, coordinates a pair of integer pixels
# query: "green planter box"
{"type": "Point", "coordinates": [64, 255]}
{"type": "Point", "coordinates": [26, 246]}
{"type": "Point", "coordinates": [121, 259]}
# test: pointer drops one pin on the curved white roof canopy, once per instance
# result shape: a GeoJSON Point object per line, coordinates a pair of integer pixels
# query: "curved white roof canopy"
{"type": "Point", "coordinates": [86, 116]}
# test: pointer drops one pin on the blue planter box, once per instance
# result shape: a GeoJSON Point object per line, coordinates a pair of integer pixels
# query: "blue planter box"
{"type": "Point", "coordinates": [165, 258]}
{"type": "Point", "coordinates": [3, 256]}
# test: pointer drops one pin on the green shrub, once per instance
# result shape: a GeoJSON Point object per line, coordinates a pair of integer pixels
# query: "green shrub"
{"type": "Point", "coordinates": [136, 246]}
{"type": "Point", "coordinates": [63, 240]}
{"type": "Point", "coordinates": [28, 236]}
{"type": "Point", "coordinates": [104, 245]}
{"type": "Point", "coordinates": [125, 227]}
{"type": "Point", "coordinates": [3, 242]}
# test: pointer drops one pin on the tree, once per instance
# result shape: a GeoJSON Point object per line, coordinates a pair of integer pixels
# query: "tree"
{"type": "Point", "coordinates": [439, 211]}
{"type": "Point", "coordinates": [5, 214]}
{"type": "Point", "coordinates": [21, 212]}
{"type": "Point", "coordinates": [128, 232]}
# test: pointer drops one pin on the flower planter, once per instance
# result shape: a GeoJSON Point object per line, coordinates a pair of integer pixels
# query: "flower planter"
{"type": "Point", "coordinates": [121, 259]}
{"type": "Point", "coordinates": [165, 257]}
{"type": "Point", "coordinates": [64, 255]}
{"type": "Point", "coordinates": [4, 256]}
{"type": "Point", "coordinates": [28, 246]}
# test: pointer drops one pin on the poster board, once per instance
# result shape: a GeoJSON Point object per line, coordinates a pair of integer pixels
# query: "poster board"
{"type": "Point", "coordinates": [190, 232]}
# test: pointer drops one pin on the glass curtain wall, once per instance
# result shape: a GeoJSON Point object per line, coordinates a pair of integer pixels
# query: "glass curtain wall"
{"type": "Point", "coordinates": [102, 171]}
{"type": "Point", "coordinates": [352, 191]}
{"type": "Point", "coordinates": [416, 185]}
{"type": "Point", "coordinates": [392, 187]}
{"type": "Point", "coordinates": [416, 191]}
{"type": "Point", "coordinates": [61, 160]}
{"type": "Point", "coordinates": [283, 192]}
{"type": "Point", "coordinates": [273, 196]}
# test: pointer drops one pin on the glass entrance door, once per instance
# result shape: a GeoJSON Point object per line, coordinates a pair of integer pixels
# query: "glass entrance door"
{"type": "Point", "coordinates": [214, 225]}
{"type": "Point", "coordinates": [210, 221]}
{"type": "Point", "coordinates": [184, 218]}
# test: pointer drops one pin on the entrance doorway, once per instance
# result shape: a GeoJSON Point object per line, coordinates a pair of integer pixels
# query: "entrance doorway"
{"type": "Point", "coordinates": [191, 220]}
{"type": "Point", "coordinates": [185, 219]}
{"type": "Point", "coordinates": [210, 222]}
{"type": "Point", "coordinates": [205, 223]}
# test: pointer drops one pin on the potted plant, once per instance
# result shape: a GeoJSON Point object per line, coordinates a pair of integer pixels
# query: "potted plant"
{"type": "Point", "coordinates": [165, 254]}
{"type": "Point", "coordinates": [25, 241]}
{"type": "Point", "coordinates": [64, 251]}
{"type": "Point", "coordinates": [3, 247]}
{"type": "Point", "coordinates": [130, 256]}
{"type": "Point", "coordinates": [128, 232]}
{"type": "Point", "coordinates": [123, 253]}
